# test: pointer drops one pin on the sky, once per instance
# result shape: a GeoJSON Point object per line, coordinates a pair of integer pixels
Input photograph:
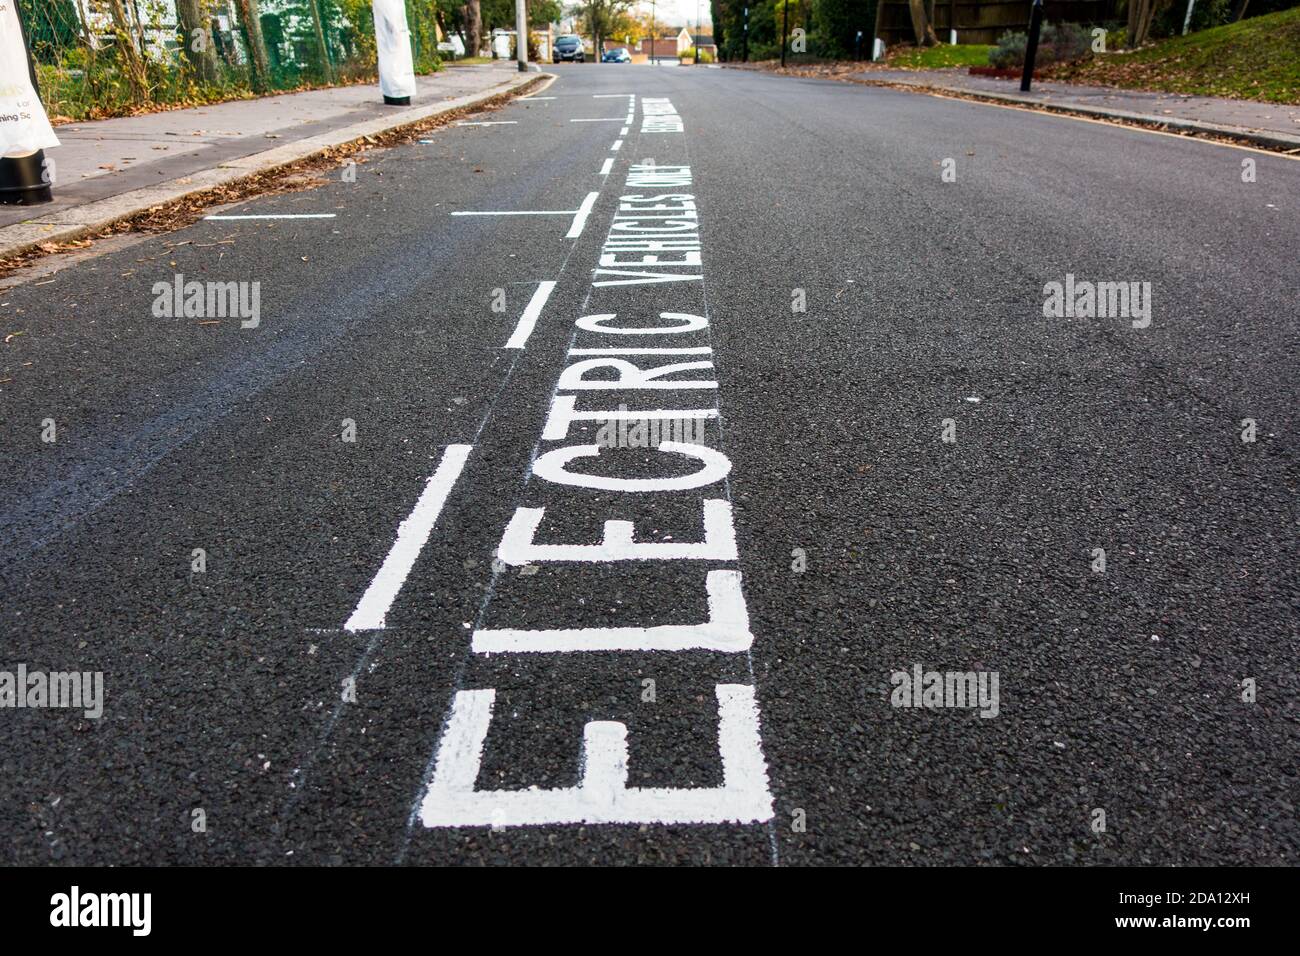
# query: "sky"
{"type": "Point", "coordinates": [677, 12]}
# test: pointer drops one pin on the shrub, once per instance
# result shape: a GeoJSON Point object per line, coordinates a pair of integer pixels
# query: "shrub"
{"type": "Point", "coordinates": [689, 54]}
{"type": "Point", "coordinates": [1010, 51]}
{"type": "Point", "coordinates": [1068, 42]}
{"type": "Point", "coordinates": [1058, 43]}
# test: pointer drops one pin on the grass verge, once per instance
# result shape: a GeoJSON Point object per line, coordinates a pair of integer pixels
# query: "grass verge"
{"type": "Point", "coordinates": [1256, 59]}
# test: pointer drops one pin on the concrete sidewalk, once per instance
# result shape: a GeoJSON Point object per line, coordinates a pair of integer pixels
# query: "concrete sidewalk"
{"type": "Point", "coordinates": [108, 169]}
{"type": "Point", "coordinates": [1266, 123]}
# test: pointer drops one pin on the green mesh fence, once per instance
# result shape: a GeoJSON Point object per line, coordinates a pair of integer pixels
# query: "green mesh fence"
{"type": "Point", "coordinates": [98, 58]}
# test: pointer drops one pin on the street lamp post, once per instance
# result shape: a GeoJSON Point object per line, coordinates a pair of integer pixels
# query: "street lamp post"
{"type": "Point", "coordinates": [785, 31]}
{"type": "Point", "coordinates": [1031, 48]}
{"type": "Point", "coordinates": [521, 36]}
{"type": "Point", "coordinates": [696, 44]}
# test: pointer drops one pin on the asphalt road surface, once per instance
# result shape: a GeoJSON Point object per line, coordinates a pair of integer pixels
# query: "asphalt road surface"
{"type": "Point", "coordinates": [283, 542]}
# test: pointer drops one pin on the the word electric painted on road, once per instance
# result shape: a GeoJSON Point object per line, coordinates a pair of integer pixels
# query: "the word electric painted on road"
{"type": "Point", "coordinates": [653, 239]}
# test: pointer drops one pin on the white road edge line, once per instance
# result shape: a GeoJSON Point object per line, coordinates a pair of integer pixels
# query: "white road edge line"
{"type": "Point", "coordinates": [411, 536]}
{"type": "Point", "coordinates": [285, 215]}
{"type": "Point", "coordinates": [601, 119]}
{"type": "Point", "coordinates": [490, 123]}
{"type": "Point", "coordinates": [528, 320]}
{"type": "Point", "coordinates": [519, 212]}
{"type": "Point", "coordinates": [580, 217]}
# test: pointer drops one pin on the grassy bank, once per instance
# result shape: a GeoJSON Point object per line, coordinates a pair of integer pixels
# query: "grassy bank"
{"type": "Point", "coordinates": [1257, 59]}
{"type": "Point", "coordinates": [938, 57]}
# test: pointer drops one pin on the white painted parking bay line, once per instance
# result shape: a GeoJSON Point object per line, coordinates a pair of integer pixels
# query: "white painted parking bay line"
{"type": "Point", "coordinates": [609, 164]}
{"type": "Point", "coordinates": [528, 320]}
{"type": "Point", "coordinates": [411, 536]}
{"type": "Point", "coordinates": [602, 119]}
{"type": "Point", "coordinates": [580, 217]}
{"type": "Point", "coordinates": [520, 212]}
{"type": "Point", "coordinates": [284, 215]}
{"type": "Point", "coordinates": [490, 123]}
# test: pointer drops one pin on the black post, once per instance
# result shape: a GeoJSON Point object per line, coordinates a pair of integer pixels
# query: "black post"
{"type": "Point", "coordinates": [785, 31]}
{"type": "Point", "coordinates": [23, 181]}
{"type": "Point", "coordinates": [696, 44]}
{"type": "Point", "coordinates": [745, 55]}
{"type": "Point", "coordinates": [1031, 48]}
{"type": "Point", "coordinates": [857, 47]}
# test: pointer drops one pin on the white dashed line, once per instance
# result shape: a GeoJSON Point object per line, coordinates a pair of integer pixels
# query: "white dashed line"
{"type": "Point", "coordinates": [609, 164]}
{"type": "Point", "coordinates": [618, 144]}
{"type": "Point", "coordinates": [528, 320]}
{"type": "Point", "coordinates": [411, 536]}
{"type": "Point", "coordinates": [580, 217]}
{"type": "Point", "coordinates": [300, 215]}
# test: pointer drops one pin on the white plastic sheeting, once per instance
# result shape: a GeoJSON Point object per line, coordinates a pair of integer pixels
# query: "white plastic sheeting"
{"type": "Point", "coordinates": [24, 127]}
{"type": "Point", "coordinates": [393, 38]}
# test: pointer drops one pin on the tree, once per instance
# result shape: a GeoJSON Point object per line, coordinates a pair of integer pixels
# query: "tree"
{"type": "Point", "coordinates": [607, 18]}
{"type": "Point", "coordinates": [125, 43]}
{"type": "Point", "coordinates": [922, 28]}
{"type": "Point", "coordinates": [472, 17]}
{"type": "Point", "coordinates": [322, 51]}
{"type": "Point", "coordinates": [1140, 15]}
{"type": "Point", "coordinates": [259, 71]}
{"type": "Point", "coordinates": [196, 40]}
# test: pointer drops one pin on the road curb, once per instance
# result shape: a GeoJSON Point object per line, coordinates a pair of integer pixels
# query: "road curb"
{"type": "Point", "coordinates": [1276, 141]}
{"type": "Point", "coordinates": [92, 217]}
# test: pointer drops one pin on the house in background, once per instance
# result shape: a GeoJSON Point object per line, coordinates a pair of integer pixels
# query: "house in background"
{"type": "Point", "coordinates": [704, 42]}
{"type": "Point", "coordinates": [666, 46]}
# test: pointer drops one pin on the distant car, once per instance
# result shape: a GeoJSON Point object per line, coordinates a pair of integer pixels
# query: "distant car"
{"type": "Point", "coordinates": [568, 48]}
{"type": "Point", "coordinates": [619, 55]}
